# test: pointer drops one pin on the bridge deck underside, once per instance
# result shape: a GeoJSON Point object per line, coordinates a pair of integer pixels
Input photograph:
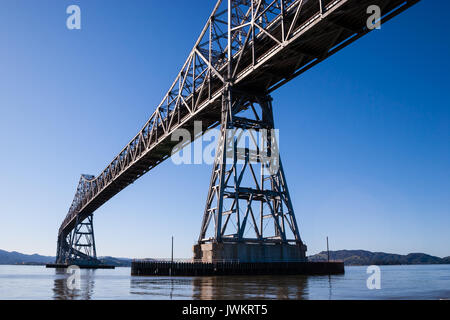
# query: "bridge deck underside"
{"type": "Point", "coordinates": [319, 36]}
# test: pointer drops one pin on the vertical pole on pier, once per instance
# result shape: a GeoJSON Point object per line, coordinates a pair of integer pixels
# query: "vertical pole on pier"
{"type": "Point", "coordinates": [171, 260]}
{"type": "Point", "coordinates": [328, 251]}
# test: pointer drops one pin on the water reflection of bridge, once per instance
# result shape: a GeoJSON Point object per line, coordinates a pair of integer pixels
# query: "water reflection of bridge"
{"type": "Point", "coordinates": [197, 288]}
{"type": "Point", "coordinates": [220, 288]}
{"type": "Point", "coordinates": [61, 290]}
{"type": "Point", "coordinates": [264, 287]}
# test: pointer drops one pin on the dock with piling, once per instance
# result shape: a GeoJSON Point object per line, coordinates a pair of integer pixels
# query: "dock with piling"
{"type": "Point", "coordinates": [228, 268]}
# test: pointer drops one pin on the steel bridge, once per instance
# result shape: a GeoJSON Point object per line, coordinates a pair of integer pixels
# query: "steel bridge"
{"type": "Point", "coordinates": [246, 50]}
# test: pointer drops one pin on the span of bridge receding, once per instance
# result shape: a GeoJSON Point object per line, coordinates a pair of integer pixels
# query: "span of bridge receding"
{"type": "Point", "coordinates": [247, 49]}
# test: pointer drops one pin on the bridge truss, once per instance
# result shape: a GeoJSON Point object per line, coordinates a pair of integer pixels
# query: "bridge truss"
{"type": "Point", "coordinates": [247, 48]}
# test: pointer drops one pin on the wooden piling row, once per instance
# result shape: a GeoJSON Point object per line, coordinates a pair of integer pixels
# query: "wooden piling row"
{"type": "Point", "coordinates": [165, 268]}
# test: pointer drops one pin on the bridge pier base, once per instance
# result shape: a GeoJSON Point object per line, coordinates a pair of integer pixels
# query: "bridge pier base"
{"type": "Point", "coordinates": [249, 252]}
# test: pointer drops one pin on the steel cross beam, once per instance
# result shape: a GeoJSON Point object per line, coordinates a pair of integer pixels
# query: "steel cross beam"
{"type": "Point", "coordinates": [254, 45]}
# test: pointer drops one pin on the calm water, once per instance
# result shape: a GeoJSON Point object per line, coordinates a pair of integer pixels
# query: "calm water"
{"type": "Point", "coordinates": [397, 282]}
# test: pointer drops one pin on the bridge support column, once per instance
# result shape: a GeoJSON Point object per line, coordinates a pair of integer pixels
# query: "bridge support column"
{"type": "Point", "coordinates": [78, 247]}
{"type": "Point", "coordinates": [249, 214]}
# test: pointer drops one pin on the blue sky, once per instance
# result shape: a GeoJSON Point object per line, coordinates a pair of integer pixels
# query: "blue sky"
{"type": "Point", "coordinates": [364, 135]}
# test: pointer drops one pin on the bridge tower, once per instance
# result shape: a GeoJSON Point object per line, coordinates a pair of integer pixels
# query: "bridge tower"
{"type": "Point", "coordinates": [78, 247]}
{"type": "Point", "coordinates": [249, 215]}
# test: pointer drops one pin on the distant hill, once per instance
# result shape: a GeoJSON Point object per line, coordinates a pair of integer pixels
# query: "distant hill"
{"type": "Point", "coordinates": [362, 257]}
{"type": "Point", "coordinates": [36, 259]}
{"type": "Point", "coordinates": [350, 257]}
{"type": "Point", "coordinates": [20, 258]}
{"type": "Point", "coordinates": [117, 262]}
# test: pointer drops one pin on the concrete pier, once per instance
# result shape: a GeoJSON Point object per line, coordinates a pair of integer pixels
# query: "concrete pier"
{"type": "Point", "coordinates": [164, 268]}
{"type": "Point", "coordinates": [248, 252]}
{"type": "Point", "coordinates": [221, 259]}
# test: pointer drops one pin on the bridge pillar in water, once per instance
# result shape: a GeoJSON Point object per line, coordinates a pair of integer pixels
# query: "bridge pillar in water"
{"type": "Point", "coordinates": [249, 215]}
{"type": "Point", "coordinates": [78, 247]}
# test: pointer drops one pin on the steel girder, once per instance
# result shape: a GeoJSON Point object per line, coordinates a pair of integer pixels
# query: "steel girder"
{"type": "Point", "coordinates": [253, 45]}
